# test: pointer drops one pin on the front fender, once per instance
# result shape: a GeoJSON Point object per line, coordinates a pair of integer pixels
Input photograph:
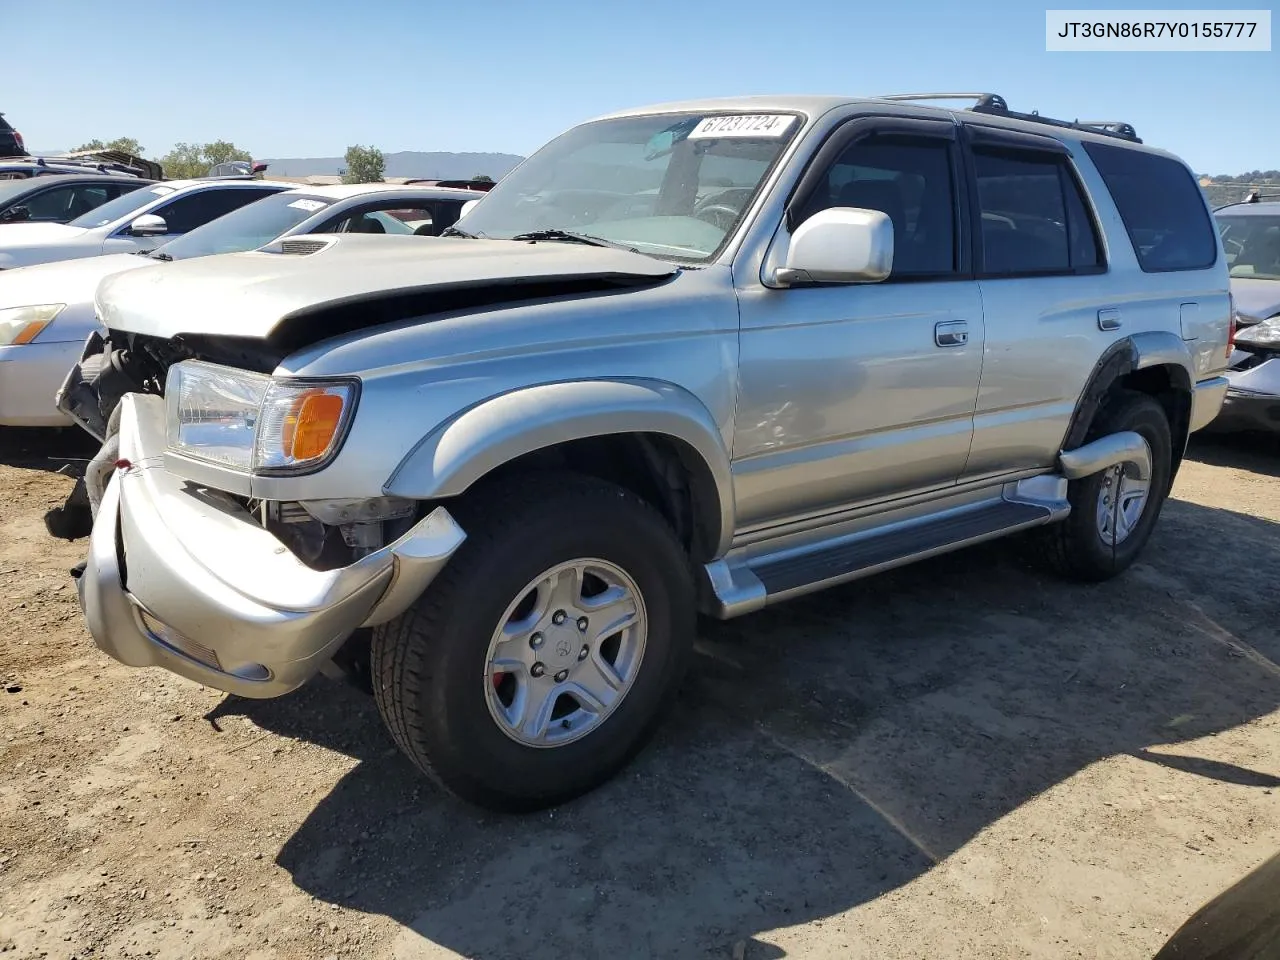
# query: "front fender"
{"type": "Point", "coordinates": [457, 453]}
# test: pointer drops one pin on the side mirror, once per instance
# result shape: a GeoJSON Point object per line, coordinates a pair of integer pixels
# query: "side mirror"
{"type": "Point", "coordinates": [466, 208]}
{"type": "Point", "coordinates": [17, 214]}
{"type": "Point", "coordinates": [839, 245]}
{"type": "Point", "coordinates": [149, 225]}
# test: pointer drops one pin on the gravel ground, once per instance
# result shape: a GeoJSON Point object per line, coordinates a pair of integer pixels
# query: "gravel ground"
{"type": "Point", "coordinates": [962, 758]}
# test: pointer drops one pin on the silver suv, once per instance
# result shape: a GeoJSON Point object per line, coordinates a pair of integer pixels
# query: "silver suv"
{"type": "Point", "coordinates": [705, 356]}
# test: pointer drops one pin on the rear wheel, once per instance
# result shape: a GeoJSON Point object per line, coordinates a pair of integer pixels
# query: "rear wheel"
{"type": "Point", "coordinates": [1113, 512]}
{"type": "Point", "coordinates": [539, 661]}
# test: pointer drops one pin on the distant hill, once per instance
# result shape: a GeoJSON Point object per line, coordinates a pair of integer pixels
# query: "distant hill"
{"type": "Point", "coordinates": [408, 163]}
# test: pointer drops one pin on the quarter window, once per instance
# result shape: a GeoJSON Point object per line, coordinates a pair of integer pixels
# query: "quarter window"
{"type": "Point", "coordinates": [1162, 208]}
{"type": "Point", "coordinates": [1034, 219]}
{"type": "Point", "coordinates": [910, 181]}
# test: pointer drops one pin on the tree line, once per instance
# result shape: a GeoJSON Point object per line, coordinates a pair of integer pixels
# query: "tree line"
{"type": "Point", "coordinates": [185, 160]}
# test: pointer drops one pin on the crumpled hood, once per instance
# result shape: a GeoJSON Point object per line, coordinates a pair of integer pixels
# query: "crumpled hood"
{"type": "Point", "coordinates": [68, 281]}
{"type": "Point", "coordinates": [1256, 299]}
{"type": "Point", "coordinates": [249, 294]}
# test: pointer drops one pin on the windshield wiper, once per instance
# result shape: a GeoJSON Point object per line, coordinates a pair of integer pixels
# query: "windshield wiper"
{"type": "Point", "coordinates": [568, 237]}
{"type": "Point", "coordinates": [455, 232]}
{"type": "Point", "coordinates": [157, 255]}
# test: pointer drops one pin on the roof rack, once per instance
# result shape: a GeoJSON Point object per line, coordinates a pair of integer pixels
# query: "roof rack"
{"type": "Point", "coordinates": [1253, 196]}
{"type": "Point", "coordinates": [993, 104]}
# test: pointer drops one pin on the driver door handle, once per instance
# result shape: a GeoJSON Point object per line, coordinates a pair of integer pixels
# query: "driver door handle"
{"type": "Point", "coordinates": [951, 333]}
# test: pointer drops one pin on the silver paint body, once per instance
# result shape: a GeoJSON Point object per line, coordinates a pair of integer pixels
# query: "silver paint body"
{"type": "Point", "coordinates": [821, 413]}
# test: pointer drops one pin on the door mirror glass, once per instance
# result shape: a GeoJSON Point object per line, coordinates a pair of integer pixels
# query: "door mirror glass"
{"type": "Point", "coordinates": [149, 225]}
{"type": "Point", "coordinates": [839, 245]}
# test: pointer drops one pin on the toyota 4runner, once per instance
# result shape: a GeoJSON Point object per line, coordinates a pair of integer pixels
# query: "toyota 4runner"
{"type": "Point", "coordinates": [706, 356]}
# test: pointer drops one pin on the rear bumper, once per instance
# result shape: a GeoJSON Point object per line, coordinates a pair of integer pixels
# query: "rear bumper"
{"type": "Point", "coordinates": [184, 578]}
{"type": "Point", "coordinates": [1206, 402]}
{"type": "Point", "coordinates": [30, 375]}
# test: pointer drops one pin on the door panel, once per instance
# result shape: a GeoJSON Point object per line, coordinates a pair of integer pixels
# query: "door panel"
{"type": "Point", "coordinates": [844, 396]}
{"type": "Point", "coordinates": [854, 393]}
{"type": "Point", "coordinates": [1051, 301]}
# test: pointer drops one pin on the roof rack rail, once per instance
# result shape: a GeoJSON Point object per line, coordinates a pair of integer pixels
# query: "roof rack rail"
{"type": "Point", "coordinates": [1253, 196]}
{"type": "Point", "coordinates": [993, 104]}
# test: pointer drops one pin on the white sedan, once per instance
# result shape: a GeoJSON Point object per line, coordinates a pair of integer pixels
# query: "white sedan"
{"type": "Point", "coordinates": [47, 311]}
{"type": "Point", "coordinates": [138, 221]}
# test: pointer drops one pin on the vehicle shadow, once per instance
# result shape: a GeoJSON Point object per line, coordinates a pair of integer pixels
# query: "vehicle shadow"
{"type": "Point", "coordinates": [56, 450]}
{"type": "Point", "coordinates": [1256, 452]}
{"type": "Point", "coordinates": [822, 753]}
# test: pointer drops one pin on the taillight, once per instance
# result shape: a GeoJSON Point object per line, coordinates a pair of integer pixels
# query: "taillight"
{"type": "Point", "coordinates": [18, 138]}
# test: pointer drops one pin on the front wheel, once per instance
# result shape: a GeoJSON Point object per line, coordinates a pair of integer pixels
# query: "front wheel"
{"type": "Point", "coordinates": [1113, 512]}
{"type": "Point", "coordinates": [539, 661]}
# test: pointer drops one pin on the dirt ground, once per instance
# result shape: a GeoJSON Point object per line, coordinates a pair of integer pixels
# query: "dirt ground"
{"type": "Point", "coordinates": [961, 759]}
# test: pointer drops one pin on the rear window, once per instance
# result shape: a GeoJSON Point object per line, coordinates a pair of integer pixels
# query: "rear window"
{"type": "Point", "coordinates": [1162, 208]}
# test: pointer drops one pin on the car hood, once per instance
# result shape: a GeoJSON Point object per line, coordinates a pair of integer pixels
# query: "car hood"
{"type": "Point", "coordinates": [20, 235]}
{"type": "Point", "coordinates": [1256, 299]}
{"type": "Point", "coordinates": [251, 294]}
{"type": "Point", "coordinates": [68, 281]}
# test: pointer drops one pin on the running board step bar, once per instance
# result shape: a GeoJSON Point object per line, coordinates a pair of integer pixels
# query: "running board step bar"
{"type": "Point", "coordinates": [845, 561]}
{"type": "Point", "coordinates": [743, 585]}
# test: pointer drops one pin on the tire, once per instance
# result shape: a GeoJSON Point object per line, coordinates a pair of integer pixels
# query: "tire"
{"type": "Point", "coordinates": [433, 676]}
{"type": "Point", "coordinates": [1077, 548]}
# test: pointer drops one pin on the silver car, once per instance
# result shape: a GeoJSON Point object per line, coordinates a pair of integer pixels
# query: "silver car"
{"type": "Point", "coordinates": [703, 356]}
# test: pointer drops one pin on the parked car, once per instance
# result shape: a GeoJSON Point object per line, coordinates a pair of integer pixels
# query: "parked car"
{"type": "Point", "coordinates": [50, 306]}
{"type": "Point", "coordinates": [1251, 240]}
{"type": "Point", "coordinates": [11, 144]}
{"type": "Point", "coordinates": [1240, 923]}
{"type": "Point", "coordinates": [710, 355]}
{"type": "Point", "coordinates": [60, 199]}
{"type": "Point", "coordinates": [87, 161]}
{"type": "Point", "coordinates": [137, 221]}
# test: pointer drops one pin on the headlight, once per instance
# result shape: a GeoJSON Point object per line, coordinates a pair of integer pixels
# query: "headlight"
{"type": "Point", "coordinates": [1264, 334]}
{"type": "Point", "coordinates": [23, 324]}
{"type": "Point", "coordinates": [254, 423]}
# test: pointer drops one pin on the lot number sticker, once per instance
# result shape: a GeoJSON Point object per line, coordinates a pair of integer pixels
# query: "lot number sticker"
{"type": "Point", "coordinates": [309, 205]}
{"type": "Point", "coordinates": [755, 125]}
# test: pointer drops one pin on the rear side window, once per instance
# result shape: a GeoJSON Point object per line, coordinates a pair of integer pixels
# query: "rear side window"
{"type": "Point", "coordinates": [1034, 219]}
{"type": "Point", "coordinates": [1162, 208]}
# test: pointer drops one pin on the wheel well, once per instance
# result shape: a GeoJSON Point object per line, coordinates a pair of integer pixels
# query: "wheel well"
{"type": "Point", "coordinates": [665, 472]}
{"type": "Point", "coordinates": [1166, 384]}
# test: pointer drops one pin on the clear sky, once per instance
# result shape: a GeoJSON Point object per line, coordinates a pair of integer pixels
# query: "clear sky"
{"type": "Point", "coordinates": [287, 78]}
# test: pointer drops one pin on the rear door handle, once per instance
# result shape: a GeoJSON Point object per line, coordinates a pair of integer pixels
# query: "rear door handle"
{"type": "Point", "coordinates": [951, 333]}
{"type": "Point", "coordinates": [1109, 319]}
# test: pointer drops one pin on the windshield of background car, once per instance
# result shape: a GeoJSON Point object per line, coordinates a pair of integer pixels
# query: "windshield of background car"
{"type": "Point", "coordinates": [669, 185]}
{"type": "Point", "coordinates": [9, 189]}
{"type": "Point", "coordinates": [247, 228]}
{"type": "Point", "coordinates": [1252, 244]}
{"type": "Point", "coordinates": [121, 206]}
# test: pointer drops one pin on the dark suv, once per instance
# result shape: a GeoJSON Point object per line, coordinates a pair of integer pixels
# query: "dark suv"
{"type": "Point", "coordinates": [11, 144]}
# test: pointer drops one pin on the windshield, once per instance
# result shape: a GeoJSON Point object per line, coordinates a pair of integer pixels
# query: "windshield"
{"type": "Point", "coordinates": [671, 185]}
{"type": "Point", "coordinates": [1252, 244]}
{"type": "Point", "coordinates": [119, 207]}
{"type": "Point", "coordinates": [246, 228]}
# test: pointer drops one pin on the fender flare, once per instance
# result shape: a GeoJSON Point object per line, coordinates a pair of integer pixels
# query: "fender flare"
{"type": "Point", "coordinates": [1140, 351]}
{"type": "Point", "coordinates": [474, 442]}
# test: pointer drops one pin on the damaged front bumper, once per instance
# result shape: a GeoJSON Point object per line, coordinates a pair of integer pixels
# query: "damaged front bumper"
{"type": "Point", "coordinates": [184, 578]}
